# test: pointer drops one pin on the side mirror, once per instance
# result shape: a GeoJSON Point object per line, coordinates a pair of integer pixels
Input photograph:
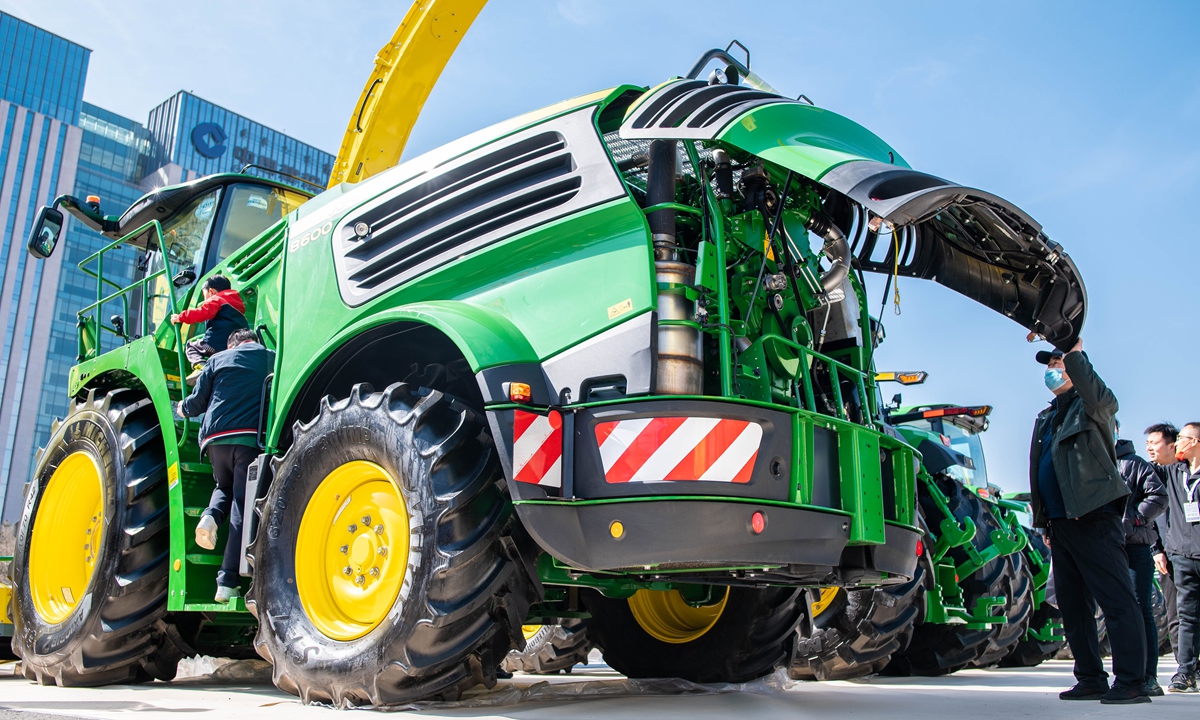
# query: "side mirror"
{"type": "Point", "coordinates": [184, 277]}
{"type": "Point", "coordinates": [43, 236]}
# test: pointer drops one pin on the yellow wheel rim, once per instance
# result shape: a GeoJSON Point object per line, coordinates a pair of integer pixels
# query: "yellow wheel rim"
{"type": "Point", "coordinates": [828, 595]}
{"type": "Point", "coordinates": [352, 550]}
{"type": "Point", "coordinates": [530, 630]}
{"type": "Point", "coordinates": [667, 617]}
{"type": "Point", "coordinates": [66, 538]}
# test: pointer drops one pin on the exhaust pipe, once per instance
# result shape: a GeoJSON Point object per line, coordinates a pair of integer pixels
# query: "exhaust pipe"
{"type": "Point", "coordinates": [680, 367]}
{"type": "Point", "coordinates": [836, 249]}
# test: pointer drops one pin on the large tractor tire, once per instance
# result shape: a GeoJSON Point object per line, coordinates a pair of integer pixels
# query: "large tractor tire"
{"type": "Point", "coordinates": [551, 649]}
{"type": "Point", "coordinates": [1030, 651]}
{"type": "Point", "coordinates": [939, 649]}
{"type": "Point", "coordinates": [90, 571]}
{"type": "Point", "coordinates": [1019, 612]}
{"type": "Point", "coordinates": [384, 567]}
{"type": "Point", "coordinates": [853, 633]}
{"type": "Point", "coordinates": [734, 635]}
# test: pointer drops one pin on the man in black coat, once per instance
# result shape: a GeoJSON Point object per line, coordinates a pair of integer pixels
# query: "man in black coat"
{"type": "Point", "coordinates": [1147, 500]}
{"type": "Point", "coordinates": [1160, 450]}
{"type": "Point", "coordinates": [229, 395]}
{"type": "Point", "coordinates": [1183, 547]}
{"type": "Point", "coordinates": [1079, 496]}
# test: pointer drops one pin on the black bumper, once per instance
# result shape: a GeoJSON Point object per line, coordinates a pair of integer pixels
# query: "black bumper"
{"type": "Point", "coordinates": [676, 534]}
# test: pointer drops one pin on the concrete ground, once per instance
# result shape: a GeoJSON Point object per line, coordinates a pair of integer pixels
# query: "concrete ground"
{"type": "Point", "coordinates": [977, 694]}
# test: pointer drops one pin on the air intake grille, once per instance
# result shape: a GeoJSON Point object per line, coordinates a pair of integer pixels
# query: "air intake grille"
{"type": "Point", "coordinates": [503, 188]}
{"type": "Point", "coordinates": [693, 109]}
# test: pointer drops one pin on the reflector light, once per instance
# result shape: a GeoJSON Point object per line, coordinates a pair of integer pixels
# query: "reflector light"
{"type": "Point", "coordinates": [519, 392]}
{"type": "Point", "coordinates": [920, 547]}
{"type": "Point", "coordinates": [974, 411]}
{"type": "Point", "coordinates": [758, 522]}
{"type": "Point", "coordinates": [617, 529]}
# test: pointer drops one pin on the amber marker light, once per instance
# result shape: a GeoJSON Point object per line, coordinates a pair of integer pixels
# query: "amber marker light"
{"type": "Point", "coordinates": [520, 392]}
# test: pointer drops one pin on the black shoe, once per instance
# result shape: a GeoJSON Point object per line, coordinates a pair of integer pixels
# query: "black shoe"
{"type": "Point", "coordinates": [1119, 695]}
{"type": "Point", "coordinates": [1151, 688]}
{"type": "Point", "coordinates": [1182, 683]}
{"type": "Point", "coordinates": [502, 674]}
{"type": "Point", "coordinates": [1083, 692]}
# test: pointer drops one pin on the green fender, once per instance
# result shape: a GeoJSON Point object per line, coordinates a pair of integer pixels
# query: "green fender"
{"type": "Point", "coordinates": [485, 337]}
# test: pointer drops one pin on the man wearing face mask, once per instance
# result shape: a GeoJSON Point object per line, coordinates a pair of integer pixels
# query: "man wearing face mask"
{"type": "Point", "coordinates": [1182, 543]}
{"type": "Point", "coordinates": [1160, 448]}
{"type": "Point", "coordinates": [1079, 496]}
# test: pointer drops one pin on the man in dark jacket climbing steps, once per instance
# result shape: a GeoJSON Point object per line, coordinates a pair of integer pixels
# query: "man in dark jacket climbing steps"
{"type": "Point", "coordinates": [229, 395]}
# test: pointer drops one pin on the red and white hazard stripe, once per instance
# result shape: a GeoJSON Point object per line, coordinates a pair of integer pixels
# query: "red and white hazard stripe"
{"type": "Point", "coordinates": [669, 449]}
{"type": "Point", "coordinates": [537, 448]}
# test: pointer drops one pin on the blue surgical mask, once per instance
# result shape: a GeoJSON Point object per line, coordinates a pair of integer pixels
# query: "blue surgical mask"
{"type": "Point", "coordinates": [1054, 379]}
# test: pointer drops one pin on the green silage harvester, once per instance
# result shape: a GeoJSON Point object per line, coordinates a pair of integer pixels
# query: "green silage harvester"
{"type": "Point", "coordinates": [610, 360]}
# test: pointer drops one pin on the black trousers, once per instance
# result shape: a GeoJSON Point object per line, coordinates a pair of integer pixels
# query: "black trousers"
{"type": "Point", "coordinates": [1089, 569]}
{"type": "Point", "coordinates": [1141, 572]}
{"type": "Point", "coordinates": [1187, 589]}
{"type": "Point", "coordinates": [1167, 584]}
{"type": "Point", "coordinates": [229, 471]}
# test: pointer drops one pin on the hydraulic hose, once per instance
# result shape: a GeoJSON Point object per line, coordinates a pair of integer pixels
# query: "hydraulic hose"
{"type": "Point", "coordinates": [836, 249]}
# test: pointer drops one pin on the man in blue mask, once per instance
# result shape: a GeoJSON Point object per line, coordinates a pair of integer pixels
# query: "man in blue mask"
{"type": "Point", "coordinates": [1079, 497]}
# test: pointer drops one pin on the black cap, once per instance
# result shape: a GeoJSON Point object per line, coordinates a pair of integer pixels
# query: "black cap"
{"type": "Point", "coordinates": [1044, 356]}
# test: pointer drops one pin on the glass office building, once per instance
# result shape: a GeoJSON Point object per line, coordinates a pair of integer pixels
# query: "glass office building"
{"type": "Point", "coordinates": [53, 143]}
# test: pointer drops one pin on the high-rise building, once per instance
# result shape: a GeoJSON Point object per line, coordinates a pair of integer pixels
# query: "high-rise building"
{"type": "Point", "coordinates": [53, 143]}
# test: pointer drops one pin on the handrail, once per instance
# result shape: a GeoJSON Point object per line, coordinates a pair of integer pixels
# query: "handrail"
{"type": "Point", "coordinates": [172, 302]}
{"type": "Point", "coordinates": [836, 370]}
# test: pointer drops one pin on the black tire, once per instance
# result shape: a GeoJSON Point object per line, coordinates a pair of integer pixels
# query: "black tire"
{"type": "Point", "coordinates": [466, 595]}
{"type": "Point", "coordinates": [859, 632]}
{"type": "Point", "coordinates": [1019, 612]}
{"type": "Point", "coordinates": [1030, 651]}
{"type": "Point", "coordinates": [554, 649]}
{"type": "Point", "coordinates": [938, 649]}
{"type": "Point", "coordinates": [753, 636]}
{"type": "Point", "coordinates": [115, 632]}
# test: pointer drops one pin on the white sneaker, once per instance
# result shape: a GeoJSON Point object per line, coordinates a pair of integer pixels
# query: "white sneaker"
{"type": "Point", "coordinates": [225, 594]}
{"type": "Point", "coordinates": [206, 533]}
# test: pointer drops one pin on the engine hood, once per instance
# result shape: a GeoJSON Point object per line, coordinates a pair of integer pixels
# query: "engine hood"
{"type": "Point", "coordinates": [971, 241]}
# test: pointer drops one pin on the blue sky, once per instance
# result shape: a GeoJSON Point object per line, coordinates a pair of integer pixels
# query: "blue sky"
{"type": "Point", "coordinates": [1085, 115]}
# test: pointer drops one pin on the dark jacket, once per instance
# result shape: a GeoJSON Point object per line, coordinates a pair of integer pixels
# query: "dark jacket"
{"type": "Point", "coordinates": [224, 313]}
{"type": "Point", "coordinates": [1183, 537]}
{"type": "Point", "coordinates": [229, 392]}
{"type": "Point", "coordinates": [1083, 453]}
{"type": "Point", "coordinates": [1147, 495]}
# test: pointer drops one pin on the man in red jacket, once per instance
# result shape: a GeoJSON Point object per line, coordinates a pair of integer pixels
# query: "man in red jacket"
{"type": "Point", "coordinates": [223, 311]}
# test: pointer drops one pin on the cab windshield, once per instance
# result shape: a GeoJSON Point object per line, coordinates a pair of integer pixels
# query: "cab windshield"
{"type": "Point", "coordinates": [963, 442]}
{"type": "Point", "coordinates": [250, 209]}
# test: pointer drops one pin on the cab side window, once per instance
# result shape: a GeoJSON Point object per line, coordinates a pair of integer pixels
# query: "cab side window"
{"type": "Point", "coordinates": [250, 209]}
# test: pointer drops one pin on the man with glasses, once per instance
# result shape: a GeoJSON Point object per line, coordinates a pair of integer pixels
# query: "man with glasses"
{"type": "Point", "coordinates": [1183, 547]}
{"type": "Point", "coordinates": [1079, 496]}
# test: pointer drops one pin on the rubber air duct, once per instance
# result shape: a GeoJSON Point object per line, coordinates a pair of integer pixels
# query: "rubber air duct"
{"type": "Point", "coordinates": [836, 249]}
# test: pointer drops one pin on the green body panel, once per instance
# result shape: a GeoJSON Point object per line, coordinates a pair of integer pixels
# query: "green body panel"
{"type": "Point", "coordinates": [809, 140]}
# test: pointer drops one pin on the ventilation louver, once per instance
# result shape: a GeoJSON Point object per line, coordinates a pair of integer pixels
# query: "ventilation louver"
{"type": "Point", "coordinates": [505, 187]}
{"type": "Point", "coordinates": [693, 109]}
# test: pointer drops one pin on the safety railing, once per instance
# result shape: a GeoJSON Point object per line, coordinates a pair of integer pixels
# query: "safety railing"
{"type": "Point", "coordinates": [807, 359]}
{"type": "Point", "coordinates": [89, 317]}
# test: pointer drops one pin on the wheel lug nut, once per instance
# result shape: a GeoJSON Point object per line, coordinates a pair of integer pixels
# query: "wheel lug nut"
{"type": "Point", "coordinates": [347, 571]}
{"type": "Point", "coordinates": [366, 521]}
{"type": "Point", "coordinates": [375, 572]}
{"type": "Point", "coordinates": [345, 549]}
{"type": "Point", "coordinates": [383, 550]}
{"type": "Point", "coordinates": [352, 528]}
{"type": "Point", "coordinates": [359, 580]}
{"type": "Point", "coordinates": [379, 529]}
